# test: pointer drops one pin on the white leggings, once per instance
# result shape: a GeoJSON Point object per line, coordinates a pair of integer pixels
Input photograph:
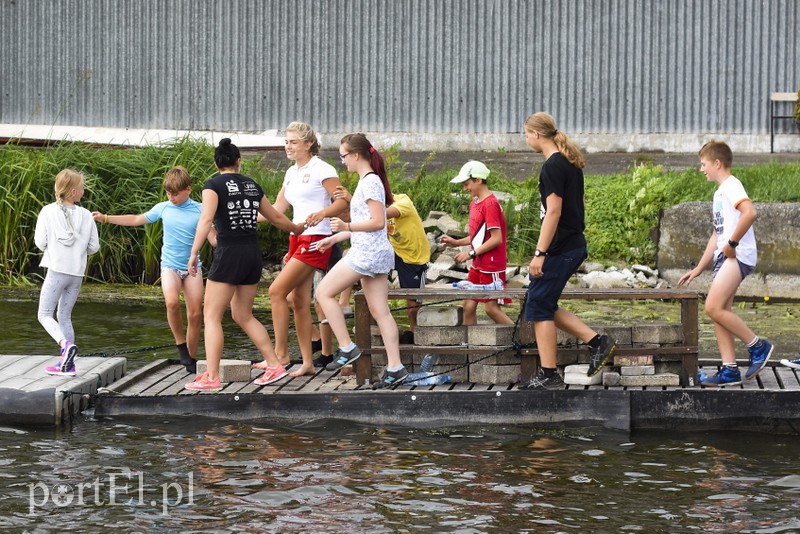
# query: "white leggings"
{"type": "Point", "coordinates": [59, 290]}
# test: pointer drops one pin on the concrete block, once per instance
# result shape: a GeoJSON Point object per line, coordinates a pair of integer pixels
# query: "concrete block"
{"type": "Point", "coordinates": [611, 378]}
{"type": "Point", "coordinates": [494, 374]}
{"type": "Point", "coordinates": [490, 335]}
{"type": "Point", "coordinates": [229, 370]}
{"type": "Point", "coordinates": [579, 369]}
{"type": "Point", "coordinates": [563, 359]}
{"type": "Point", "coordinates": [645, 359]}
{"type": "Point", "coordinates": [669, 367]}
{"type": "Point", "coordinates": [622, 333]}
{"type": "Point", "coordinates": [440, 335]}
{"type": "Point", "coordinates": [576, 375]}
{"type": "Point", "coordinates": [440, 316]}
{"type": "Point", "coordinates": [458, 275]}
{"type": "Point", "coordinates": [526, 335]}
{"type": "Point", "coordinates": [583, 380]}
{"type": "Point", "coordinates": [508, 357]}
{"type": "Point", "coordinates": [659, 333]}
{"type": "Point", "coordinates": [637, 370]}
{"type": "Point", "coordinates": [667, 379]}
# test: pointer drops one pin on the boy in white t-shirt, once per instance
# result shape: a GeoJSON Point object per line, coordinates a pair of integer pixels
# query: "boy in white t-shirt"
{"type": "Point", "coordinates": [732, 252]}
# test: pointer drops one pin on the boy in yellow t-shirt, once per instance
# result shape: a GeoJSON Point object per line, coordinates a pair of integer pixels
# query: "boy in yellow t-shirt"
{"type": "Point", "coordinates": [411, 252]}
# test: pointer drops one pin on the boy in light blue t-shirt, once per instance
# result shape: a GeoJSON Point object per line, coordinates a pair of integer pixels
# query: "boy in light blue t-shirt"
{"type": "Point", "coordinates": [180, 215]}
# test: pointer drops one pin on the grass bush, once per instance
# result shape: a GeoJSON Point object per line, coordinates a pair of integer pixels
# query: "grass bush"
{"type": "Point", "coordinates": [622, 209]}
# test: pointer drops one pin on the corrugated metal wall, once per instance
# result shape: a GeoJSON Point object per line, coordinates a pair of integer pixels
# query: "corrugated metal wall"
{"type": "Point", "coordinates": [450, 66]}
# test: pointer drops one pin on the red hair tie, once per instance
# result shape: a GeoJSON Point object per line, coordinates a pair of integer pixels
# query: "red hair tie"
{"type": "Point", "coordinates": [371, 149]}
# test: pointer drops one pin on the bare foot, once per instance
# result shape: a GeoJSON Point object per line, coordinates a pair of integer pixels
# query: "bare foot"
{"type": "Point", "coordinates": [304, 370]}
{"type": "Point", "coordinates": [261, 365]}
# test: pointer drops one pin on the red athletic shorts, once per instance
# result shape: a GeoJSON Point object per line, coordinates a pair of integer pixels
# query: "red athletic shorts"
{"type": "Point", "coordinates": [298, 248]}
{"type": "Point", "coordinates": [479, 277]}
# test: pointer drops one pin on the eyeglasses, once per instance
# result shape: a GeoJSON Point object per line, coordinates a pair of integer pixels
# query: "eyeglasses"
{"type": "Point", "coordinates": [342, 156]}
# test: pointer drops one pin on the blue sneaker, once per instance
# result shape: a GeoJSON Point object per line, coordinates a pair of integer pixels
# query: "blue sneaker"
{"type": "Point", "coordinates": [759, 356]}
{"type": "Point", "coordinates": [725, 377]}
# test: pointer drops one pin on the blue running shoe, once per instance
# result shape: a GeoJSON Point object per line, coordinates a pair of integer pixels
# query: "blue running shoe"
{"type": "Point", "coordinates": [725, 377]}
{"type": "Point", "coordinates": [759, 356]}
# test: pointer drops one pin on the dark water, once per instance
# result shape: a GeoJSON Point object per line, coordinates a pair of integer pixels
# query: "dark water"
{"type": "Point", "coordinates": [184, 474]}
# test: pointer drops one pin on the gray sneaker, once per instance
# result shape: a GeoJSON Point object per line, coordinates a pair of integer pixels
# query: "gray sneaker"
{"type": "Point", "coordinates": [341, 358]}
{"type": "Point", "coordinates": [602, 354]}
{"type": "Point", "coordinates": [540, 382]}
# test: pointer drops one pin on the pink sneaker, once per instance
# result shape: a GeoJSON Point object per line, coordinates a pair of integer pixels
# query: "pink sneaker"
{"type": "Point", "coordinates": [204, 383]}
{"type": "Point", "coordinates": [56, 370]}
{"type": "Point", "coordinates": [66, 364]}
{"type": "Point", "coordinates": [272, 374]}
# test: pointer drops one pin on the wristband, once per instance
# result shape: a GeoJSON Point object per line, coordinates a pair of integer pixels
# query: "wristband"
{"type": "Point", "coordinates": [105, 218]}
{"type": "Point", "coordinates": [733, 243]}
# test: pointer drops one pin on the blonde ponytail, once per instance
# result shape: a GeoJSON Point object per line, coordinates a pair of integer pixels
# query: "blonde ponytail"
{"type": "Point", "coordinates": [545, 125]}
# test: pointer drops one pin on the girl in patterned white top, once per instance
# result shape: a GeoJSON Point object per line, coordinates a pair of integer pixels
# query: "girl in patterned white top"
{"type": "Point", "coordinates": [370, 259]}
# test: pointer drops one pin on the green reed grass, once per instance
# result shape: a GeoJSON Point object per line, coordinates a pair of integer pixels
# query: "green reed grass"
{"type": "Point", "coordinates": [622, 209]}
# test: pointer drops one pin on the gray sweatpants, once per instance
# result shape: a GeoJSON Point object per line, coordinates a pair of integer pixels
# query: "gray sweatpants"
{"type": "Point", "coordinates": [60, 291]}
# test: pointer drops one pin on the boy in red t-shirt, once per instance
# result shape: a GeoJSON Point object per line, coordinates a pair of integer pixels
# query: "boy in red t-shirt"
{"type": "Point", "coordinates": [486, 239]}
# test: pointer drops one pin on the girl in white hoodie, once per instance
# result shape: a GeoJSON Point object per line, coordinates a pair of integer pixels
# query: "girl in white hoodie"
{"type": "Point", "coordinates": [67, 234]}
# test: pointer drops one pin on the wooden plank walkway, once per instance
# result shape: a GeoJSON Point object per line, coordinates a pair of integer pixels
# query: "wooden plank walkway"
{"type": "Point", "coordinates": [31, 397]}
{"type": "Point", "coordinates": [766, 403]}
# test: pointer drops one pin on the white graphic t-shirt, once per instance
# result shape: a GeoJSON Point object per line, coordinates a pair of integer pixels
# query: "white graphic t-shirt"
{"type": "Point", "coordinates": [727, 197]}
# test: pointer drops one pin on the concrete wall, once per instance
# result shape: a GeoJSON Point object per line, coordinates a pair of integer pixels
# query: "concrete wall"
{"type": "Point", "coordinates": [684, 231]}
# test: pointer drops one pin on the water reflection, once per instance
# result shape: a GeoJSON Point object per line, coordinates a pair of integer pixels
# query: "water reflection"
{"type": "Point", "coordinates": [335, 476]}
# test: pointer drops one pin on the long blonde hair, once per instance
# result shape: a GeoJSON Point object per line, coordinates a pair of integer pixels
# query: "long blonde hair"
{"type": "Point", "coordinates": [545, 125]}
{"type": "Point", "coordinates": [66, 181]}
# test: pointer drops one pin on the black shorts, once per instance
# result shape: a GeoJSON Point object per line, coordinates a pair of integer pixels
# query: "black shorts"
{"type": "Point", "coordinates": [238, 265]}
{"type": "Point", "coordinates": [336, 255]}
{"type": "Point", "coordinates": [411, 276]}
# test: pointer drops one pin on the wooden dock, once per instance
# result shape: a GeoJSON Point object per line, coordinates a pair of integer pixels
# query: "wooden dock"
{"type": "Point", "coordinates": [31, 397]}
{"type": "Point", "coordinates": [768, 403]}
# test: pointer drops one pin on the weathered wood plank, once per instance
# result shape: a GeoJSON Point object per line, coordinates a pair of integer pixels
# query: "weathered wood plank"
{"type": "Point", "coordinates": [156, 376]}
{"type": "Point", "coordinates": [125, 383]}
{"type": "Point", "coordinates": [768, 379]}
{"type": "Point", "coordinates": [172, 375]}
{"type": "Point", "coordinates": [788, 378]}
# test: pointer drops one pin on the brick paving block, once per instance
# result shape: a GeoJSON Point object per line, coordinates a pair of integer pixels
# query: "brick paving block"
{"type": "Point", "coordinates": [659, 333]}
{"type": "Point", "coordinates": [440, 316]}
{"type": "Point", "coordinates": [667, 379]}
{"type": "Point", "coordinates": [645, 359]}
{"type": "Point", "coordinates": [637, 370]}
{"type": "Point", "coordinates": [490, 335]}
{"type": "Point", "coordinates": [494, 374]}
{"type": "Point", "coordinates": [229, 370]}
{"type": "Point", "coordinates": [440, 335]}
